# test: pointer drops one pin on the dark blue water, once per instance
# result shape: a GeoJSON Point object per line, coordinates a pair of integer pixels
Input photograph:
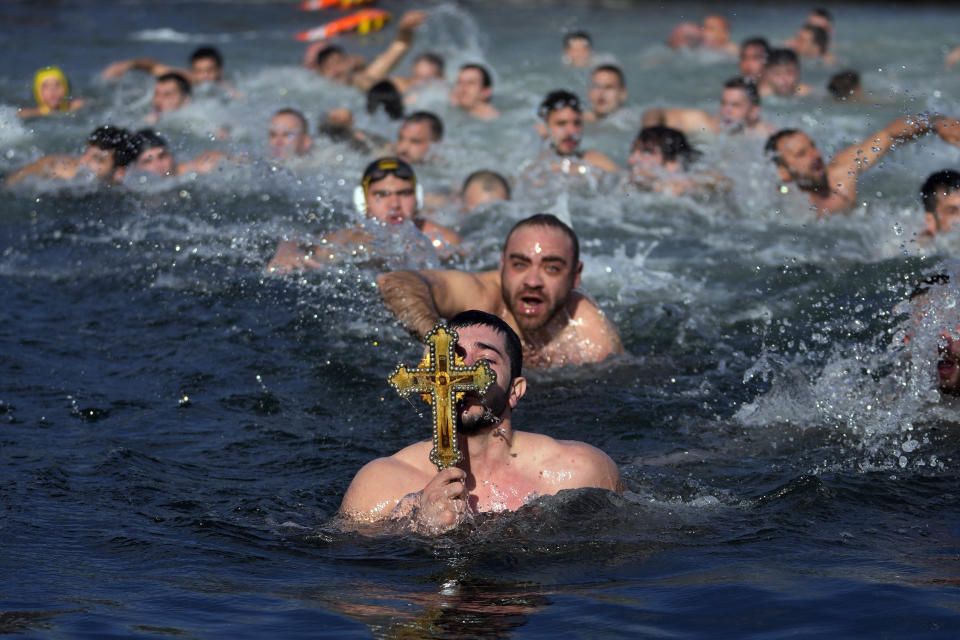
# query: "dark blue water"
{"type": "Point", "coordinates": [178, 428]}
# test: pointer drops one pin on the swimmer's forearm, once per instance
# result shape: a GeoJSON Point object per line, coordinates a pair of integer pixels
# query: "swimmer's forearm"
{"type": "Point", "coordinates": [378, 69]}
{"type": "Point", "coordinates": [407, 294]}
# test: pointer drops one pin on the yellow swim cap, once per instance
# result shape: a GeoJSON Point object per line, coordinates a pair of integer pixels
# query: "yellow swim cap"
{"type": "Point", "coordinates": [45, 74]}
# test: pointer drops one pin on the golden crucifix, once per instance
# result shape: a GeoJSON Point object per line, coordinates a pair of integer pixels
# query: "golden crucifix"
{"type": "Point", "coordinates": [441, 379]}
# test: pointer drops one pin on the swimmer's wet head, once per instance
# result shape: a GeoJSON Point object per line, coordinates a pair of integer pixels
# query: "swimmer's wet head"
{"type": "Point", "coordinates": [388, 191]}
{"type": "Point", "coordinates": [51, 90]}
{"type": "Point", "coordinates": [442, 378]}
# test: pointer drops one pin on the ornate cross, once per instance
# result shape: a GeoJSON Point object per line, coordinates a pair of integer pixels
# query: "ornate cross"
{"type": "Point", "coordinates": [441, 379]}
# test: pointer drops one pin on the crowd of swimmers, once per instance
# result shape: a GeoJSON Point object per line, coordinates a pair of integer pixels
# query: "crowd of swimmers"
{"type": "Point", "coordinates": [529, 310]}
{"type": "Point", "coordinates": [661, 157]}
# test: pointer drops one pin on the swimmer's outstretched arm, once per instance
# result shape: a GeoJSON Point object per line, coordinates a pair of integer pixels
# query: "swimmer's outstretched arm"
{"type": "Point", "coordinates": [847, 166]}
{"type": "Point", "coordinates": [420, 298]}
{"type": "Point", "coordinates": [380, 66]}
{"type": "Point", "coordinates": [151, 66]}
{"type": "Point", "coordinates": [55, 166]}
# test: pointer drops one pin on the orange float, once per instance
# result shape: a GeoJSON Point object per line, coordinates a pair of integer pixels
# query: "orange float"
{"type": "Point", "coordinates": [316, 5]}
{"type": "Point", "coordinates": [363, 21]}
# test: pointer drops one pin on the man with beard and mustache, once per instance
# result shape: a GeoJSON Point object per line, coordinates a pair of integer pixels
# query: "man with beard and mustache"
{"type": "Point", "coordinates": [561, 124]}
{"type": "Point", "coordinates": [502, 469]}
{"type": "Point", "coordinates": [533, 291]}
{"type": "Point", "coordinates": [832, 188]}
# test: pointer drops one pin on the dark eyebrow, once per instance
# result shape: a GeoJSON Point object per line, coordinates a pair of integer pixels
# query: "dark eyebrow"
{"type": "Point", "coordinates": [518, 256]}
{"type": "Point", "coordinates": [489, 347]}
{"type": "Point", "coordinates": [553, 259]}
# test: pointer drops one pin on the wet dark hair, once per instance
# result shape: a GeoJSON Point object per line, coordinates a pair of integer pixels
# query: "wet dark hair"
{"type": "Point", "coordinates": [671, 143]}
{"type": "Point", "coordinates": [771, 147]}
{"type": "Point", "coordinates": [547, 220]}
{"type": "Point", "coordinates": [924, 285]}
{"type": "Point", "coordinates": [326, 52]}
{"type": "Point", "coordinates": [436, 124]}
{"type": "Point", "coordinates": [385, 95]}
{"type": "Point", "coordinates": [488, 181]}
{"type": "Point", "coordinates": [576, 35]}
{"type": "Point", "coordinates": [782, 56]}
{"type": "Point", "coordinates": [843, 84]}
{"type": "Point", "coordinates": [182, 83]}
{"type": "Point", "coordinates": [556, 100]}
{"type": "Point", "coordinates": [204, 53]}
{"type": "Point", "coordinates": [756, 41]}
{"type": "Point", "coordinates": [433, 58]}
{"type": "Point", "coordinates": [823, 13]}
{"type": "Point", "coordinates": [302, 119]}
{"type": "Point", "coordinates": [945, 181]}
{"type": "Point", "coordinates": [820, 37]}
{"type": "Point", "coordinates": [746, 86]}
{"type": "Point", "coordinates": [473, 317]}
{"type": "Point", "coordinates": [614, 69]}
{"type": "Point", "coordinates": [487, 80]}
{"type": "Point", "coordinates": [116, 139]}
{"type": "Point", "coordinates": [147, 139]}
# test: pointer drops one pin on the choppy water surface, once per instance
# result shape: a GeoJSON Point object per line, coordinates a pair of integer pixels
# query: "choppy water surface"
{"type": "Point", "coordinates": [179, 428]}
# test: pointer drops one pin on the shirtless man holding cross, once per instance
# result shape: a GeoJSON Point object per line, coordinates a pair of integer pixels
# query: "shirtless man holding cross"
{"type": "Point", "coordinates": [533, 291]}
{"type": "Point", "coordinates": [501, 469]}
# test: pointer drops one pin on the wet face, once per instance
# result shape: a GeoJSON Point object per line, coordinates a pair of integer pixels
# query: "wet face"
{"type": "Point", "coordinates": [948, 365]}
{"type": "Point", "coordinates": [475, 195]}
{"type": "Point", "coordinates": [804, 45]}
{"type": "Point", "coordinates": [413, 142]}
{"type": "Point", "coordinates": [818, 20]}
{"type": "Point", "coordinates": [205, 70]}
{"type": "Point", "coordinates": [736, 110]}
{"type": "Point", "coordinates": [157, 160]}
{"type": "Point", "coordinates": [52, 92]}
{"type": "Point", "coordinates": [643, 160]}
{"type": "Point", "coordinates": [391, 200]}
{"type": "Point", "coordinates": [168, 97]}
{"type": "Point", "coordinates": [337, 67]}
{"type": "Point", "coordinates": [480, 342]}
{"type": "Point", "coordinates": [287, 137]}
{"type": "Point", "coordinates": [606, 94]}
{"type": "Point", "coordinates": [782, 78]}
{"type": "Point", "coordinates": [537, 273]}
{"type": "Point", "coordinates": [578, 52]}
{"type": "Point", "coordinates": [753, 58]}
{"type": "Point", "coordinates": [803, 161]}
{"type": "Point", "coordinates": [98, 161]}
{"type": "Point", "coordinates": [425, 71]}
{"type": "Point", "coordinates": [716, 32]}
{"type": "Point", "coordinates": [946, 214]}
{"type": "Point", "coordinates": [564, 127]}
{"type": "Point", "coordinates": [469, 91]}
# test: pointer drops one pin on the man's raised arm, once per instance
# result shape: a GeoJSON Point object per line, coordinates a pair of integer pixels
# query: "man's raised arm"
{"type": "Point", "coordinates": [380, 66]}
{"type": "Point", "coordinates": [857, 158]}
{"type": "Point", "coordinates": [421, 298]}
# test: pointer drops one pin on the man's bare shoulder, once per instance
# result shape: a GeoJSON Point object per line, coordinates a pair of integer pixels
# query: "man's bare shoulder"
{"type": "Point", "coordinates": [382, 483]}
{"type": "Point", "coordinates": [594, 325]}
{"type": "Point", "coordinates": [570, 464]}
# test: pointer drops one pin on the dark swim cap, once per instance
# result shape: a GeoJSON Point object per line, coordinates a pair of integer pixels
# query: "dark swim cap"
{"type": "Point", "coordinates": [380, 169]}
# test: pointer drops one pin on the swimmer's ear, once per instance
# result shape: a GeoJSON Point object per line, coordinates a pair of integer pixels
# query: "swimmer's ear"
{"type": "Point", "coordinates": [931, 222]}
{"type": "Point", "coordinates": [577, 272]}
{"type": "Point", "coordinates": [542, 129]}
{"type": "Point", "coordinates": [118, 173]}
{"type": "Point", "coordinates": [486, 94]}
{"type": "Point", "coordinates": [784, 174]}
{"type": "Point", "coordinates": [307, 143]}
{"type": "Point", "coordinates": [418, 190]}
{"type": "Point", "coordinates": [517, 390]}
{"type": "Point", "coordinates": [359, 200]}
